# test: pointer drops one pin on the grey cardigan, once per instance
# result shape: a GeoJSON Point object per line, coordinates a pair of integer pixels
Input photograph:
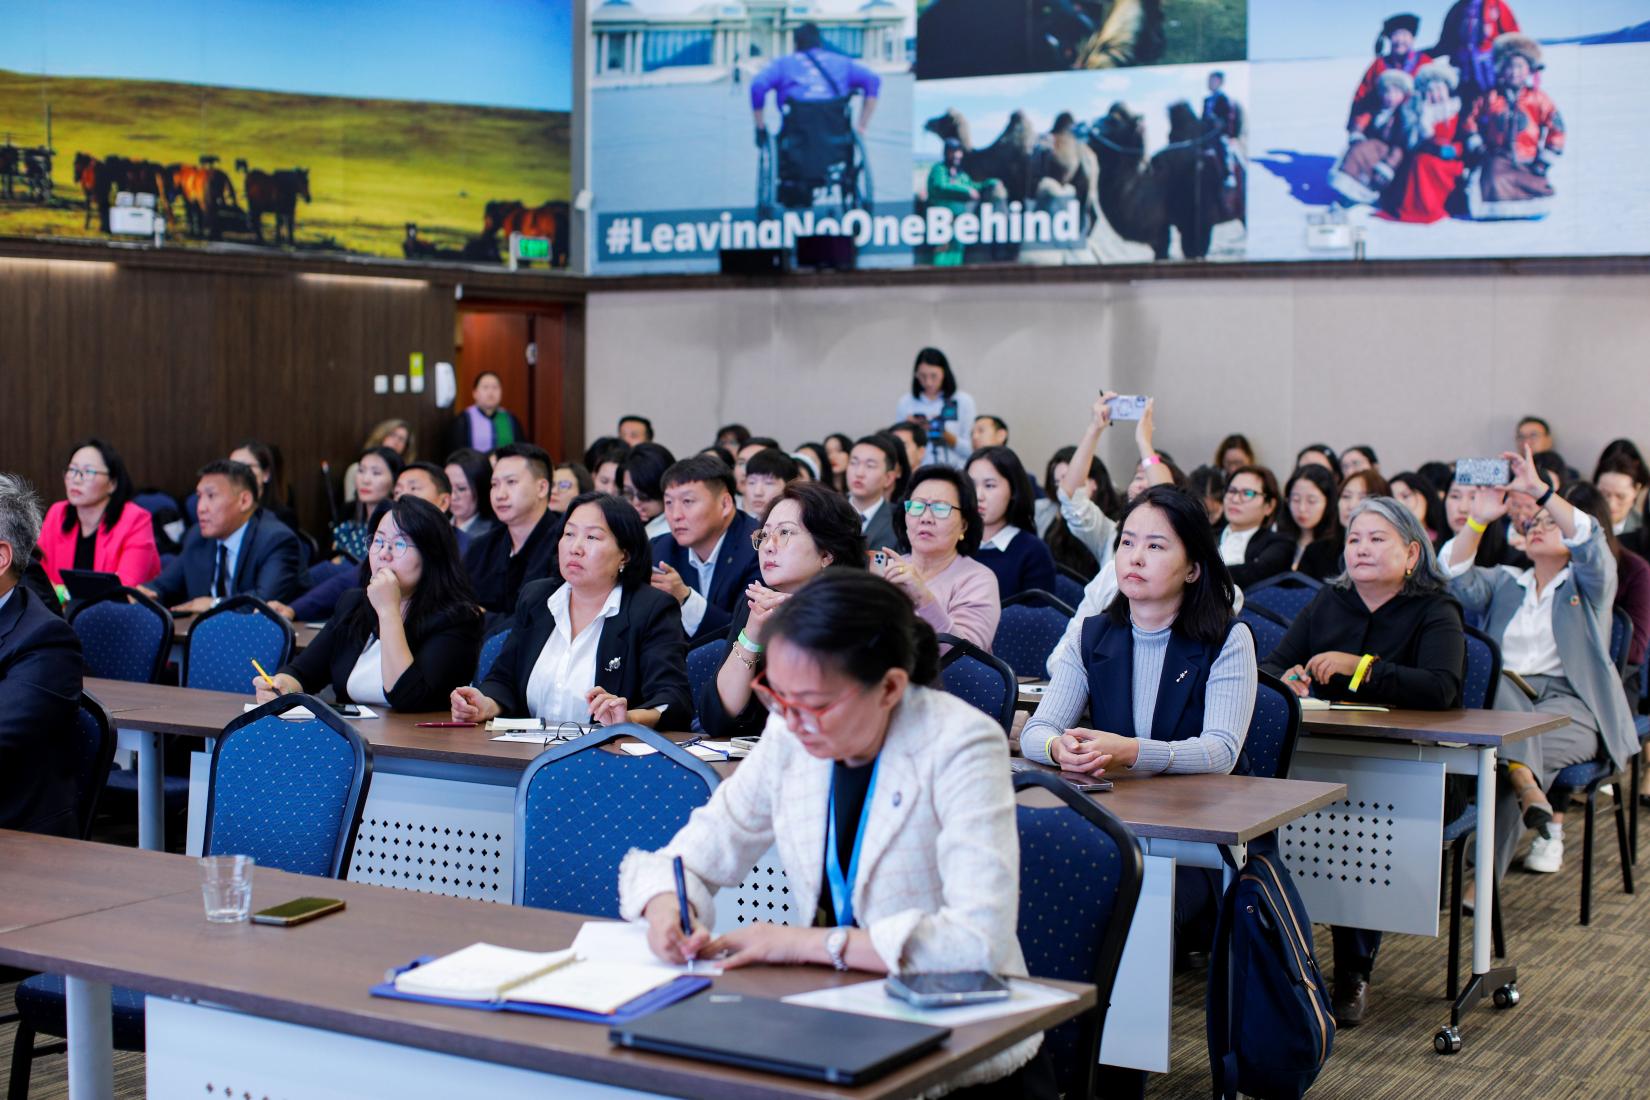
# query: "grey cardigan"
{"type": "Point", "coordinates": [1582, 607]}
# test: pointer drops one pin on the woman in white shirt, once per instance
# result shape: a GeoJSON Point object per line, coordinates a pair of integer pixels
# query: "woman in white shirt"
{"type": "Point", "coordinates": [408, 638]}
{"type": "Point", "coordinates": [891, 806]}
{"type": "Point", "coordinates": [597, 643]}
{"type": "Point", "coordinates": [1083, 516]}
{"type": "Point", "coordinates": [935, 400]}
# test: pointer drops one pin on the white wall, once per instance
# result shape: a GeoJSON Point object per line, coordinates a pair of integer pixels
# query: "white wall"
{"type": "Point", "coordinates": [1418, 367]}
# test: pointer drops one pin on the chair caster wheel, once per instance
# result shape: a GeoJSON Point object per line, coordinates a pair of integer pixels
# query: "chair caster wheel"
{"type": "Point", "coordinates": [1447, 1041]}
{"type": "Point", "coordinates": [1507, 995]}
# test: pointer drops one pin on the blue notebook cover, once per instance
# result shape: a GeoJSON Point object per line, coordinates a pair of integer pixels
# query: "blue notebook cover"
{"type": "Point", "coordinates": [682, 988]}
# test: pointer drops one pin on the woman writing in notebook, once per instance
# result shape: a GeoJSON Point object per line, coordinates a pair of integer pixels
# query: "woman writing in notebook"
{"type": "Point", "coordinates": [595, 644]}
{"type": "Point", "coordinates": [903, 788]}
{"type": "Point", "coordinates": [1385, 631]}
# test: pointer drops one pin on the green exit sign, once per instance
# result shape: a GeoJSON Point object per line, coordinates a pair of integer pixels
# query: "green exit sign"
{"type": "Point", "coordinates": [533, 248]}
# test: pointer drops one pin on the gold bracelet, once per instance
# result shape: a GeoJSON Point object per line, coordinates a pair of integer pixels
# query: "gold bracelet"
{"type": "Point", "coordinates": [746, 657]}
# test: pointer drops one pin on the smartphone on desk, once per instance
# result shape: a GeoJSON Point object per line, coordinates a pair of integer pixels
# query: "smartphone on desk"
{"type": "Point", "coordinates": [297, 911]}
{"type": "Point", "coordinates": [948, 989]}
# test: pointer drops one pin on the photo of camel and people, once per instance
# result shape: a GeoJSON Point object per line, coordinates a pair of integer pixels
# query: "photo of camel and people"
{"type": "Point", "coordinates": [280, 133]}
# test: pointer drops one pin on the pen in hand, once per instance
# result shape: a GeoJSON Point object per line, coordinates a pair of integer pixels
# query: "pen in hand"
{"type": "Point", "coordinates": [260, 670]}
{"type": "Point", "coordinates": [682, 902]}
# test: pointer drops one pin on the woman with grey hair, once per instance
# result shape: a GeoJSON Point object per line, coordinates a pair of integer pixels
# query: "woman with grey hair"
{"type": "Point", "coordinates": [1387, 631]}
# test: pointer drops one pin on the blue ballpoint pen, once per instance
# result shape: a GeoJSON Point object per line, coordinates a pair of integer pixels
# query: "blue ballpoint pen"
{"type": "Point", "coordinates": [682, 901]}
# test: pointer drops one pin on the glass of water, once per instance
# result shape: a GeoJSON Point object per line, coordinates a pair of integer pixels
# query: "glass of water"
{"type": "Point", "coordinates": [226, 886]}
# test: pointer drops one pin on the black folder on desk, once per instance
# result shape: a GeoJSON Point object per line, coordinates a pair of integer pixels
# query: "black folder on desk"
{"type": "Point", "coordinates": [839, 1048]}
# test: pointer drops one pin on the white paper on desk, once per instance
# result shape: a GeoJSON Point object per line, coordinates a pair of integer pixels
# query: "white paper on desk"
{"type": "Point", "coordinates": [625, 943]}
{"type": "Point", "coordinates": [869, 999]}
{"type": "Point", "coordinates": [514, 725]}
{"type": "Point", "coordinates": [1310, 703]}
{"type": "Point", "coordinates": [303, 714]}
{"type": "Point", "coordinates": [703, 751]}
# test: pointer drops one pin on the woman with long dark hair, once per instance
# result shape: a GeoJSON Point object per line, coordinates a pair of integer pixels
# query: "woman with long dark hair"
{"type": "Point", "coordinates": [472, 503]}
{"type": "Point", "coordinates": [1009, 545]}
{"type": "Point", "coordinates": [374, 480]}
{"type": "Point", "coordinates": [1417, 494]}
{"type": "Point", "coordinates": [838, 448]}
{"type": "Point", "coordinates": [265, 466]}
{"type": "Point", "coordinates": [96, 526]}
{"type": "Point", "coordinates": [410, 636]}
{"type": "Point", "coordinates": [1310, 519]}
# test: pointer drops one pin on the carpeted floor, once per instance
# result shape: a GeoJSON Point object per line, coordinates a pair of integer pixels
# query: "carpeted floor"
{"type": "Point", "coordinates": [1581, 1030]}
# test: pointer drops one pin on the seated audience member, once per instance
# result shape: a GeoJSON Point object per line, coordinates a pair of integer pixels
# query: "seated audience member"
{"type": "Point", "coordinates": [1208, 484]}
{"type": "Point", "coordinates": [1622, 480]}
{"type": "Point", "coordinates": [1492, 543]}
{"type": "Point", "coordinates": [1415, 493]}
{"type": "Point", "coordinates": [411, 636]}
{"type": "Point", "coordinates": [731, 437]}
{"type": "Point", "coordinates": [1627, 449]}
{"type": "Point", "coordinates": [939, 888]}
{"type": "Point", "coordinates": [938, 526]}
{"type": "Point", "coordinates": [1355, 489]}
{"type": "Point", "coordinates": [873, 476]}
{"type": "Point", "coordinates": [485, 424]}
{"type": "Point", "coordinates": [40, 682]}
{"type": "Point", "coordinates": [1250, 548]}
{"type": "Point", "coordinates": [561, 663]}
{"type": "Point", "coordinates": [643, 467]}
{"type": "Point", "coordinates": [1632, 575]}
{"type": "Point", "coordinates": [752, 446]}
{"type": "Point", "coordinates": [393, 435]}
{"type": "Point", "coordinates": [374, 480]}
{"type": "Point", "coordinates": [820, 459]}
{"type": "Point", "coordinates": [272, 496]}
{"type": "Point", "coordinates": [1319, 454]}
{"type": "Point", "coordinates": [807, 530]}
{"type": "Point", "coordinates": [471, 477]}
{"type": "Point", "coordinates": [1310, 522]}
{"type": "Point", "coordinates": [1385, 631]}
{"type": "Point", "coordinates": [1009, 545]}
{"type": "Point", "coordinates": [1534, 434]}
{"type": "Point", "coordinates": [1439, 475]}
{"type": "Point", "coordinates": [837, 449]}
{"type": "Point", "coordinates": [719, 452]}
{"type": "Point", "coordinates": [913, 441]}
{"type": "Point", "coordinates": [97, 526]}
{"type": "Point", "coordinates": [1552, 622]}
{"type": "Point", "coordinates": [635, 430]}
{"type": "Point", "coordinates": [988, 431]}
{"type": "Point", "coordinates": [429, 482]}
{"type": "Point", "coordinates": [1085, 518]}
{"type": "Point", "coordinates": [767, 472]}
{"type": "Point", "coordinates": [1233, 453]}
{"type": "Point", "coordinates": [603, 459]}
{"type": "Point", "coordinates": [521, 549]}
{"type": "Point", "coordinates": [706, 561]}
{"type": "Point", "coordinates": [1361, 457]}
{"type": "Point", "coordinates": [568, 480]}
{"type": "Point", "coordinates": [233, 549]}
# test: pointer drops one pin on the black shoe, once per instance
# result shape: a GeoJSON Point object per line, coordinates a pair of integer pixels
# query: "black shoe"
{"type": "Point", "coordinates": [1538, 816]}
{"type": "Point", "coordinates": [1350, 999]}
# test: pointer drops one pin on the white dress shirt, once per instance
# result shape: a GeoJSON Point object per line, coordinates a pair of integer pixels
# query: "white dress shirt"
{"type": "Point", "coordinates": [233, 545]}
{"type": "Point", "coordinates": [1233, 544]}
{"type": "Point", "coordinates": [865, 518]}
{"type": "Point", "coordinates": [657, 526]}
{"type": "Point", "coordinates": [1002, 538]}
{"type": "Point", "coordinates": [566, 667]}
{"type": "Point", "coordinates": [366, 679]}
{"type": "Point", "coordinates": [693, 608]}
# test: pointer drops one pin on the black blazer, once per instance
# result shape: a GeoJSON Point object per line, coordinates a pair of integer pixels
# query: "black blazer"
{"type": "Point", "coordinates": [1322, 559]}
{"type": "Point", "coordinates": [880, 531]}
{"type": "Point", "coordinates": [642, 654]}
{"type": "Point", "coordinates": [498, 576]}
{"type": "Point", "coordinates": [40, 682]}
{"type": "Point", "coordinates": [1267, 555]}
{"type": "Point", "coordinates": [266, 567]}
{"type": "Point", "coordinates": [735, 570]}
{"type": "Point", "coordinates": [714, 718]}
{"type": "Point", "coordinates": [444, 657]}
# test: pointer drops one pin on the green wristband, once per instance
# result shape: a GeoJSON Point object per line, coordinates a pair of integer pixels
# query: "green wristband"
{"type": "Point", "coordinates": [745, 641]}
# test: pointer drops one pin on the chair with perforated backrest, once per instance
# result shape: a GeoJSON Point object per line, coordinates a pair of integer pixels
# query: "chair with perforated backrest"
{"type": "Point", "coordinates": [490, 649]}
{"type": "Point", "coordinates": [1274, 727]}
{"type": "Point", "coordinates": [979, 679]}
{"type": "Point", "coordinates": [224, 641]}
{"type": "Point", "coordinates": [153, 500]}
{"type": "Point", "coordinates": [124, 635]}
{"type": "Point", "coordinates": [1030, 627]}
{"type": "Point", "coordinates": [1478, 686]}
{"type": "Point", "coordinates": [580, 808]}
{"type": "Point", "coordinates": [289, 793]}
{"type": "Point", "coordinates": [1286, 594]}
{"type": "Point", "coordinates": [1267, 628]}
{"type": "Point", "coordinates": [1080, 874]}
{"type": "Point", "coordinates": [703, 662]}
{"type": "Point", "coordinates": [1069, 586]}
{"type": "Point", "coordinates": [94, 753]}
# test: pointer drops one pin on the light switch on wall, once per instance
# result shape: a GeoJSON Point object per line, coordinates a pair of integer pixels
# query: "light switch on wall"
{"type": "Point", "coordinates": [400, 383]}
{"type": "Point", "coordinates": [380, 383]}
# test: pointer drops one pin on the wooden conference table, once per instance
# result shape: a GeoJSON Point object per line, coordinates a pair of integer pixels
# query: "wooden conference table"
{"type": "Point", "coordinates": [460, 783]}
{"type": "Point", "coordinates": [286, 1011]}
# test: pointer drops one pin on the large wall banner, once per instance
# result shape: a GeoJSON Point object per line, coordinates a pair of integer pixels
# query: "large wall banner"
{"type": "Point", "coordinates": [378, 127]}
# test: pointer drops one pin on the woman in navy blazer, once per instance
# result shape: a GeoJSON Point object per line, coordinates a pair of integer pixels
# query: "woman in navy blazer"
{"type": "Point", "coordinates": [596, 643]}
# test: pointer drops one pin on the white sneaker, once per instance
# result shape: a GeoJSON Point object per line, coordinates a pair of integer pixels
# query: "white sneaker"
{"type": "Point", "coordinates": [1546, 854]}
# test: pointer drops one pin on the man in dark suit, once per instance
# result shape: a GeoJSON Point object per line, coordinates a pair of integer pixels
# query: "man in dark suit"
{"type": "Point", "coordinates": [522, 548]}
{"type": "Point", "coordinates": [235, 548]}
{"type": "Point", "coordinates": [873, 475]}
{"type": "Point", "coordinates": [707, 561]}
{"type": "Point", "coordinates": [40, 680]}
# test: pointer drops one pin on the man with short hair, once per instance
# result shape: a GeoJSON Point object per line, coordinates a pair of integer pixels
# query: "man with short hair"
{"type": "Point", "coordinates": [733, 437]}
{"type": "Point", "coordinates": [235, 548]}
{"type": "Point", "coordinates": [523, 546]}
{"type": "Point", "coordinates": [635, 429]}
{"type": "Point", "coordinates": [873, 470]}
{"type": "Point", "coordinates": [707, 561]}
{"type": "Point", "coordinates": [766, 474]}
{"type": "Point", "coordinates": [1534, 433]}
{"type": "Point", "coordinates": [743, 454]}
{"type": "Point", "coordinates": [429, 482]}
{"type": "Point", "coordinates": [988, 431]}
{"type": "Point", "coordinates": [40, 682]}
{"type": "Point", "coordinates": [913, 440]}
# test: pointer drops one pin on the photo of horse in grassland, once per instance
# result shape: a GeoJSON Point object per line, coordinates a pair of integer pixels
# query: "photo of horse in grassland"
{"type": "Point", "coordinates": [323, 173]}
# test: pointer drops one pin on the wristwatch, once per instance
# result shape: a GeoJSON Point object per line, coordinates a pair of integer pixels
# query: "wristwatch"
{"type": "Point", "coordinates": [836, 945]}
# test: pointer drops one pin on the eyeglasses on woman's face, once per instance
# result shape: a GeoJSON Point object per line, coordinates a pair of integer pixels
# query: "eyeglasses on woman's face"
{"type": "Point", "coordinates": [631, 495]}
{"type": "Point", "coordinates": [797, 715]}
{"type": "Point", "coordinates": [941, 509]}
{"type": "Point", "coordinates": [779, 535]}
{"type": "Point", "coordinates": [396, 548]}
{"type": "Point", "coordinates": [1235, 493]}
{"type": "Point", "coordinates": [82, 473]}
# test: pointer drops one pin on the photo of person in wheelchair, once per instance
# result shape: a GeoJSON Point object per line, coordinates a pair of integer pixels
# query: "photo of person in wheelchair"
{"type": "Point", "coordinates": [819, 147]}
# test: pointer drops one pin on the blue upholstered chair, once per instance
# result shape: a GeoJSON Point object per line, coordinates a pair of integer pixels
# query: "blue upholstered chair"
{"type": "Point", "coordinates": [1267, 628]}
{"type": "Point", "coordinates": [490, 649]}
{"type": "Point", "coordinates": [224, 641]}
{"type": "Point", "coordinates": [1286, 595]}
{"type": "Point", "coordinates": [1274, 727]}
{"type": "Point", "coordinates": [1069, 586]}
{"type": "Point", "coordinates": [1030, 627]}
{"type": "Point", "coordinates": [579, 809]}
{"type": "Point", "coordinates": [287, 793]}
{"type": "Point", "coordinates": [703, 662]}
{"type": "Point", "coordinates": [94, 753]}
{"type": "Point", "coordinates": [979, 679]}
{"type": "Point", "coordinates": [124, 635]}
{"type": "Point", "coordinates": [1080, 874]}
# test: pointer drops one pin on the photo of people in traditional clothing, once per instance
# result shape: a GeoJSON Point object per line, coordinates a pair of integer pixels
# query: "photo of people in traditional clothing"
{"type": "Point", "coordinates": [1501, 126]}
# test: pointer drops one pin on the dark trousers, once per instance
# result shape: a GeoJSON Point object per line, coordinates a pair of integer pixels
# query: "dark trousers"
{"type": "Point", "coordinates": [1355, 950]}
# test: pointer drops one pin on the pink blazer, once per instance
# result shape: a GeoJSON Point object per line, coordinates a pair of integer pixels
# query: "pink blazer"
{"type": "Point", "coordinates": [128, 549]}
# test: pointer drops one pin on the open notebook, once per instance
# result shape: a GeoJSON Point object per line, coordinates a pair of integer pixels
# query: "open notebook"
{"type": "Point", "coordinates": [488, 974]}
{"type": "Point", "coordinates": [1309, 703]}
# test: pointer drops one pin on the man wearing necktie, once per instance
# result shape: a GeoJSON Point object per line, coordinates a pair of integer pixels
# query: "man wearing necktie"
{"type": "Point", "coordinates": [235, 549]}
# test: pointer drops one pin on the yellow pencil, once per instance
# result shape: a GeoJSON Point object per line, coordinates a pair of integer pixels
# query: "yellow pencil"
{"type": "Point", "coordinates": [265, 675]}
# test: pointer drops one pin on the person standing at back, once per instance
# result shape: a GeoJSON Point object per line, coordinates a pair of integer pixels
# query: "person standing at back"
{"type": "Point", "coordinates": [938, 408]}
{"type": "Point", "coordinates": [486, 424]}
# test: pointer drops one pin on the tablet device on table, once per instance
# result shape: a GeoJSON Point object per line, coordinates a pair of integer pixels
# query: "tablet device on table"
{"type": "Point", "coordinates": [86, 584]}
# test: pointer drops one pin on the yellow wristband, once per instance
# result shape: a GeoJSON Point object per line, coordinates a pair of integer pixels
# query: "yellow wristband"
{"type": "Point", "coordinates": [1363, 670]}
{"type": "Point", "coordinates": [1476, 526]}
{"type": "Point", "coordinates": [1048, 745]}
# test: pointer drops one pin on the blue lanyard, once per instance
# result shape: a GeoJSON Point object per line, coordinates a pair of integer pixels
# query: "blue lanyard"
{"type": "Point", "coordinates": [842, 897]}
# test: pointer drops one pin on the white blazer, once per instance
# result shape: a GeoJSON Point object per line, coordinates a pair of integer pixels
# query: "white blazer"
{"type": "Point", "coordinates": [938, 886]}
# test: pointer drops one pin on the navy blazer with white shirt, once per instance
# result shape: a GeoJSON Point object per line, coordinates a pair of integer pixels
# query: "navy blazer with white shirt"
{"type": "Point", "coordinates": [736, 568]}
{"type": "Point", "coordinates": [266, 566]}
{"type": "Point", "coordinates": [879, 533]}
{"type": "Point", "coordinates": [40, 682]}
